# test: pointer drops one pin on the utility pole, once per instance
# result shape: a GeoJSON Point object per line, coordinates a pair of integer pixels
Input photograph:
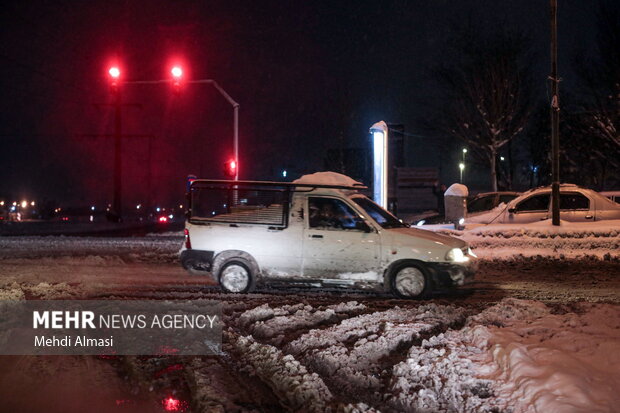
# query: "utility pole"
{"type": "Point", "coordinates": [118, 136]}
{"type": "Point", "coordinates": [118, 164]}
{"type": "Point", "coordinates": [555, 118]}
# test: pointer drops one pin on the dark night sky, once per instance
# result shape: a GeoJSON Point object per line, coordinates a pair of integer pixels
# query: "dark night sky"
{"type": "Point", "coordinates": [303, 72]}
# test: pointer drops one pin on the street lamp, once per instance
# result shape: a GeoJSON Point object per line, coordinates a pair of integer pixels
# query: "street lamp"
{"type": "Point", "coordinates": [379, 133]}
{"type": "Point", "coordinates": [461, 167]}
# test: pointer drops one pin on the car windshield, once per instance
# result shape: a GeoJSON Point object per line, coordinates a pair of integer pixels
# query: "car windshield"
{"type": "Point", "coordinates": [481, 203]}
{"type": "Point", "coordinates": [380, 215]}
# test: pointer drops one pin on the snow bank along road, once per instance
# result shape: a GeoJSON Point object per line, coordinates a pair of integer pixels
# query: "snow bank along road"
{"type": "Point", "coordinates": [536, 332]}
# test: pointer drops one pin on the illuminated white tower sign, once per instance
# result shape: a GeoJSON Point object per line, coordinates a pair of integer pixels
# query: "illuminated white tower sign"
{"type": "Point", "coordinates": [379, 133]}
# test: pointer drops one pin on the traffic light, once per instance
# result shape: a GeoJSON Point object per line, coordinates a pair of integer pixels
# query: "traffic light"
{"type": "Point", "coordinates": [115, 74]}
{"type": "Point", "coordinates": [177, 74]}
{"type": "Point", "coordinates": [230, 168]}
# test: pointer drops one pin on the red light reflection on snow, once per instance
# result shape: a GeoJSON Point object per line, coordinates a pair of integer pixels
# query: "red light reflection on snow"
{"type": "Point", "coordinates": [169, 369]}
{"type": "Point", "coordinates": [174, 405]}
{"type": "Point", "coordinates": [166, 350]}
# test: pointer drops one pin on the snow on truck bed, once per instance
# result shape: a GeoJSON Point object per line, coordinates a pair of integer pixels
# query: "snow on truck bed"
{"type": "Point", "coordinates": [327, 178]}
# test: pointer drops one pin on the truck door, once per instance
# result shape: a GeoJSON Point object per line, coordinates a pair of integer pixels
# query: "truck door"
{"type": "Point", "coordinates": [333, 246]}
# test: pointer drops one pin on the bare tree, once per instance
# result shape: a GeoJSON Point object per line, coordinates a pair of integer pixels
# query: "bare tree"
{"type": "Point", "coordinates": [600, 78]}
{"type": "Point", "coordinates": [487, 90]}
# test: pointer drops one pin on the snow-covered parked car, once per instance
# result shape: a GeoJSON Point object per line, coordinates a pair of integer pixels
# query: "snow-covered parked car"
{"type": "Point", "coordinates": [317, 231]}
{"type": "Point", "coordinates": [576, 205]}
{"type": "Point", "coordinates": [488, 200]}
{"type": "Point", "coordinates": [613, 195]}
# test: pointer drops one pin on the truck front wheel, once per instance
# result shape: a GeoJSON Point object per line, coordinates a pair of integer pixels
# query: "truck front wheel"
{"type": "Point", "coordinates": [410, 280]}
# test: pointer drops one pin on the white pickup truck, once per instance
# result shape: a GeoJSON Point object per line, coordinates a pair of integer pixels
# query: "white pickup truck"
{"type": "Point", "coordinates": [316, 234]}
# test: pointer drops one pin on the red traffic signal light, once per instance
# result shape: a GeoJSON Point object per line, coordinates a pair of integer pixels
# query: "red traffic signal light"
{"type": "Point", "coordinates": [177, 72]}
{"type": "Point", "coordinates": [230, 168]}
{"type": "Point", "coordinates": [114, 72]}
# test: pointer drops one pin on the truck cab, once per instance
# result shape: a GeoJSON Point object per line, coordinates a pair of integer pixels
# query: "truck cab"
{"type": "Point", "coordinates": [319, 231]}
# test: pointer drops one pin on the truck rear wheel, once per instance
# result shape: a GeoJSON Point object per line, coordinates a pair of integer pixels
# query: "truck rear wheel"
{"type": "Point", "coordinates": [236, 277]}
{"type": "Point", "coordinates": [410, 280]}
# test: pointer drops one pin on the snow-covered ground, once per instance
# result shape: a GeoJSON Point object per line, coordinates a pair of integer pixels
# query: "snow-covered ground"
{"type": "Point", "coordinates": [516, 355]}
{"type": "Point", "coordinates": [539, 330]}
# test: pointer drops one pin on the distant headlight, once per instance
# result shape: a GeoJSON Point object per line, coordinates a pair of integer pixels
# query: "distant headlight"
{"type": "Point", "coordinates": [456, 255]}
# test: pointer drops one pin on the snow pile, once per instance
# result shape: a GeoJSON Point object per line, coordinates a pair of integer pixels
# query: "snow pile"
{"type": "Point", "coordinates": [599, 240]}
{"type": "Point", "coordinates": [559, 363]}
{"type": "Point", "coordinates": [47, 291]}
{"type": "Point", "coordinates": [12, 291]}
{"type": "Point", "coordinates": [457, 190]}
{"type": "Point", "coordinates": [357, 408]}
{"type": "Point", "coordinates": [354, 353]}
{"type": "Point", "coordinates": [327, 178]}
{"type": "Point", "coordinates": [440, 376]}
{"type": "Point", "coordinates": [516, 356]}
{"type": "Point", "coordinates": [44, 291]}
{"type": "Point", "coordinates": [266, 323]}
{"type": "Point", "coordinates": [147, 249]}
{"type": "Point", "coordinates": [295, 387]}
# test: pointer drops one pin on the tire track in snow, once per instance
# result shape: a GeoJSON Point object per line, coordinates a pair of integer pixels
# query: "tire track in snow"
{"type": "Point", "coordinates": [355, 357]}
{"type": "Point", "coordinates": [278, 325]}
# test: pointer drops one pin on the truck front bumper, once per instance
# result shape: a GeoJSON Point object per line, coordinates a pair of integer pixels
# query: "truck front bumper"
{"type": "Point", "coordinates": [449, 275]}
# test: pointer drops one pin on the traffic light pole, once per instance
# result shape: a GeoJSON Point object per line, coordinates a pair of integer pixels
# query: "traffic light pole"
{"type": "Point", "coordinates": [555, 119]}
{"type": "Point", "coordinates": [118, 164]}
{"type": "Point", "coordinates": [226, 96]}
{"type": "Point", "coordinates": [235, 106]}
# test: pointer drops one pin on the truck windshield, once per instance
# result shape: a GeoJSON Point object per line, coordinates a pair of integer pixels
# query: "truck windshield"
{"type": "Point", "coordinates": [383, 217]}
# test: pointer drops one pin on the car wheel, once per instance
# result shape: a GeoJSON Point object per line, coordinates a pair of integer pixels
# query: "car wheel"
{"type": "Point", "coordinates": [410, 281]}
{"type": "Point", "coordinates": [236, 277]}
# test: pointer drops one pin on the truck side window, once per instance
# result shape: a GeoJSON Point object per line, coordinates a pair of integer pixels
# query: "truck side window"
{"type": "Point", "coordinates": [330, 213]}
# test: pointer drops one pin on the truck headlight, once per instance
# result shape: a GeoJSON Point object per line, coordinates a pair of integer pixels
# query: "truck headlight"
{"type": "Point", "coordinates": [456, 255]}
